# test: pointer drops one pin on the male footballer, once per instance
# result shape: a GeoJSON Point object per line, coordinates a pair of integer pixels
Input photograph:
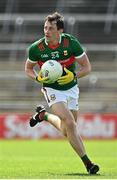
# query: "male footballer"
{"type": "Point", "coordinates": [61, 96]}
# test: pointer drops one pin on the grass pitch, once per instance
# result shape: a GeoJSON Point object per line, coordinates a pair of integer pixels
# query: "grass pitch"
{"type": "Point", "coordinates": [55, 159]}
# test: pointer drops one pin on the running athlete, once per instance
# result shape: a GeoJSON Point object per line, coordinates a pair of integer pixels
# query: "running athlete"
{"type": "Point", "coordinates": [61, 96]}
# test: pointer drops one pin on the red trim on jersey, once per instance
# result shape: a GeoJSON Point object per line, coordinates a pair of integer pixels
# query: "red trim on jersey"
{"type": "Point", "coordinates": [40, 63]}
{"type": "Point", "coordinates": [67, 62]}
{"type": "Point", "coordinates": [53, 46]}
{"type": "Point", "coordinates": [65, 43]}
{"type": "Point", "coordinates": [41, 46]}
{"type": "Point", "coordinates": [64, 62]}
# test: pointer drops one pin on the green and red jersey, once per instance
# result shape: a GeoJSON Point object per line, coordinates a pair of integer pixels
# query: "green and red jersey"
{"type": "Point", "coordinates": [65, 52]}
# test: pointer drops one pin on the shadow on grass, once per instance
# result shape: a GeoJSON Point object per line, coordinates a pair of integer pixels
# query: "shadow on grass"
{"type": "Point", "coordinates": [75, 174]}
{"type": "Point", "coordinates": [81, 174]}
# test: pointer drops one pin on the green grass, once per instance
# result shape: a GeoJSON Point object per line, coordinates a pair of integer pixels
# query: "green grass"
{"type": "Point", "coordinates": [55, 159]}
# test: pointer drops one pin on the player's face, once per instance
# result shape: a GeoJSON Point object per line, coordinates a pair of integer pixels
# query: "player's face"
{"type": "Point", "coordinates": [51, 32]}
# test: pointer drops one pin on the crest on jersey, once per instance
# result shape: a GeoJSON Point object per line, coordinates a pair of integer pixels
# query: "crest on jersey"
{"type": "Point", "coordinates": [65, 53]}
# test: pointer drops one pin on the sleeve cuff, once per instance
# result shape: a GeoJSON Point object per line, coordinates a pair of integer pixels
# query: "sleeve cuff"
{"type": "Point", "coordinates": [32, 61]}
{"type": "Point", "coordinates": [80, 55]}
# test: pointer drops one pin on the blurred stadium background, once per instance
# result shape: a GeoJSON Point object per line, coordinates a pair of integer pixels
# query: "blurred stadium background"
{"type": "Point", "coordinates": [94, 24]}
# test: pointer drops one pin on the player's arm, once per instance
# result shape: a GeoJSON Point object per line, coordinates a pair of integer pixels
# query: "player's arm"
{"type": "Point", "coordinates": [31, 62]}
{"type": "Point", "coordinates": [84, 66]}
{"type": "Point", "coordinates": [81, 58]}
{"type": "Point", "coordinates": [29, 69]}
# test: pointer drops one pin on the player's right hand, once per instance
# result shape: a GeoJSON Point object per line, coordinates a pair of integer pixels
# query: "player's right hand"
{"type": "Point", "coordinates": [42, 79]}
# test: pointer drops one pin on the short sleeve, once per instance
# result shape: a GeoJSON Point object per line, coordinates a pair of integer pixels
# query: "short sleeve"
{"type": "Point", "coordinates": [77, 48]}
{"type": "Point", "coordinates": [32, 53]}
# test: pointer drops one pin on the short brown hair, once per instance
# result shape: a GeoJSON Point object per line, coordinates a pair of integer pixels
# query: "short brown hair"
{"type": "Point", "coordinates": [58, 18]}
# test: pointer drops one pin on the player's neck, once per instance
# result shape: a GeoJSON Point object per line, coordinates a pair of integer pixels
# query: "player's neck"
{"type": "Point", "coordinates": [54, 42]}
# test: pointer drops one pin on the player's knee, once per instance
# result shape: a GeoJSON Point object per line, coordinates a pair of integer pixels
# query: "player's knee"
{"type": "Point", "coordinates": [64, 132]}
{"type": "Point", "coordinates": [70, 123]}
{"type": "Point", "coordinates": [63, 129]}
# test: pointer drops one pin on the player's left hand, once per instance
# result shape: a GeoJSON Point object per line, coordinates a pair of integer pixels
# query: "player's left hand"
{"type": "Point", "coordinates": [67, 78]}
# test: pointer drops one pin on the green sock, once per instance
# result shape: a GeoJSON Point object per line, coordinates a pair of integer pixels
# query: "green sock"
{"type": "Point", "coordinates": [46, 117]}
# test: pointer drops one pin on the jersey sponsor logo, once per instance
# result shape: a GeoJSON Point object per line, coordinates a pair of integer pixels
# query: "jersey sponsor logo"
{"type": "Point", "coordinates": [55, 54]}
{"type": "Point", "coordinates": [44, 56]}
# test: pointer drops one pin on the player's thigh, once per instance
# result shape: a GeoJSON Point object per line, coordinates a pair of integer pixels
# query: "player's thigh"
{"type": "Point", "coordinates": [60, 109]}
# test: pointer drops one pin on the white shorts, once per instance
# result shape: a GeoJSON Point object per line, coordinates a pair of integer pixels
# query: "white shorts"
{"type": "Point", "coordinates": [70, 96]}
